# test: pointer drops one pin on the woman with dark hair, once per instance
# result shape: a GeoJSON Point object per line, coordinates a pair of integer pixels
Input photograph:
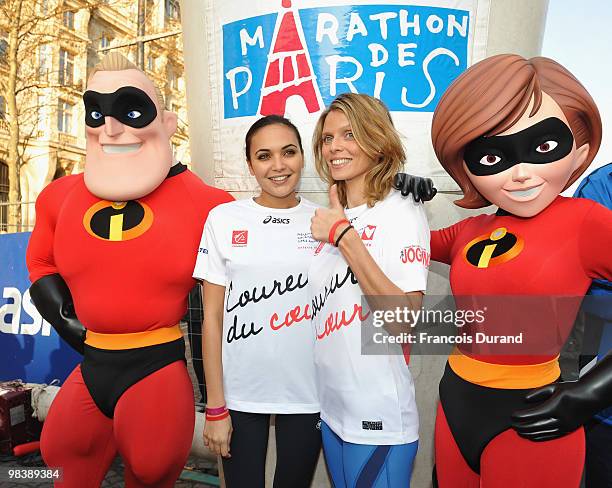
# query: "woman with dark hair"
{"type": "Point", "coordinates": [257, 340]}
{"type": "Point", "coordinates": [368, 410]}
{"type": "Point", "coordinates": [514, 133]}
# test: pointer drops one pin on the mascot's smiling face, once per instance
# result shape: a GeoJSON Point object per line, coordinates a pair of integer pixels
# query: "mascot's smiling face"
{"type": "Point", "coordinates": [523, 169]}
{"type": "Point", "coordinates": [128, 136]}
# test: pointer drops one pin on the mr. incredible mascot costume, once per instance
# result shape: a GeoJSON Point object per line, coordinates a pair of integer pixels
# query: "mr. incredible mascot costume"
{"type": "Point", "coordinates": [514, 133]}
{"type": "Point", "coordinates": [110, 259]}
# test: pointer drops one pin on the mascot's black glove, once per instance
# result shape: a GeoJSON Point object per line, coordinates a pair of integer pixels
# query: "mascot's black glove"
{"type": "Point", "coordinates": [422, 189]}
{"type": "Point", "coordinates": [566, 406]}
{"type": "Point", "coordinates": [53, 300]}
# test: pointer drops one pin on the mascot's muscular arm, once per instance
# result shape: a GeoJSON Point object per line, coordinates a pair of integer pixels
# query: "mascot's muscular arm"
{"type": "Point", "coordinates": [49, 291]}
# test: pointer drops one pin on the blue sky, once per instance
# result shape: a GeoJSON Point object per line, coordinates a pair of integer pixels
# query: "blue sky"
{"type": "Point", "coordinates": [578, 34]}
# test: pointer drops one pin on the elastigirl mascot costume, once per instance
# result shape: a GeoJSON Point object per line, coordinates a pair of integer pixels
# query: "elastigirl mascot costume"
{"type": "Point", "coordinates": [515, 133]}
{"type": "Point", "coordinates": [113, 249]}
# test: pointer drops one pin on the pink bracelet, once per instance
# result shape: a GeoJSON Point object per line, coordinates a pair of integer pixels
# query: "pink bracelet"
{"type": "Point", "coordinates": [216, 411]}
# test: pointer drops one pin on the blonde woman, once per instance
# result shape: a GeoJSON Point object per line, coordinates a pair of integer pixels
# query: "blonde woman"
{"type": "Point", "coordinates": [368, 411]}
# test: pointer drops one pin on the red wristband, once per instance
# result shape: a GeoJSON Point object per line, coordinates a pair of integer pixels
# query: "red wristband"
{"type": "Point", "coordinates": [216, 410]}
{"type": "Point", "coordinates": [332, 231]}
{"type": "Point", "coordinates": [213, 418]}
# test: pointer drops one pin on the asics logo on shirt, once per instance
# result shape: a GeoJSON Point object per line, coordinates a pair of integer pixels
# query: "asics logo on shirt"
{"type": "Point", "coordinates": [276, 220]}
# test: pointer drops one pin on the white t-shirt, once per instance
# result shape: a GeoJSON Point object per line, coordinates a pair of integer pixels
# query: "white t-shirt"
{"type": "Point", "coordinates": [261, 255]}
{"type": "Point", "coordinates": [367, 399]}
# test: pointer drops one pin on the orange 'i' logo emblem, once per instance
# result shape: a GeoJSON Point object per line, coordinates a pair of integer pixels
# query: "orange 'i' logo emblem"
{"type": "Point", "coordinates": [118, 221]}
{"type": "Point", "coordinates": [491, 249]}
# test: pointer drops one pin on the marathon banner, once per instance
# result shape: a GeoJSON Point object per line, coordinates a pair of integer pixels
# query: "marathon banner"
{"type": "Point", "coordinates": [293, 57]}
{"type": "Point", "coordinates": [31, 350]}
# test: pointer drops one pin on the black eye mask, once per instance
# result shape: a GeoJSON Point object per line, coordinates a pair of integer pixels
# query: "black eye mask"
{"type": "Point", "coordinates": [129, 105]}
{"type": "Point", "coordinates": [545, 142]}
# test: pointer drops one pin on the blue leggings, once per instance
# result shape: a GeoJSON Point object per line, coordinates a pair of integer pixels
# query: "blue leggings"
{"type": "Point", "coordinates": [367, 466]}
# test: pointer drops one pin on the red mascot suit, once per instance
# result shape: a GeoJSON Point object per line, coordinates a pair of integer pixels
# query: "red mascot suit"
{"type": "Point", "coordinates": [111, 258]}
{"type": "Point", "coordinates": [515, 133]}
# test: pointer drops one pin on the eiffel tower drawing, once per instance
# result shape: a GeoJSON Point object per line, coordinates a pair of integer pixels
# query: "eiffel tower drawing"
{"type": "Point", "coordinates": [289, 71]}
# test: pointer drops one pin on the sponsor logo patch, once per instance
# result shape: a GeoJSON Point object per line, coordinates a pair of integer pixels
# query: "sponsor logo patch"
{"type": "Point", "coordinates": [368, 233]}
{"type": "Point", "coordinates": [240, 238]}
{"type": "Point", "coordinates": [372, 425]}
{"type": "Point", "coordinates": [415, 254]}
